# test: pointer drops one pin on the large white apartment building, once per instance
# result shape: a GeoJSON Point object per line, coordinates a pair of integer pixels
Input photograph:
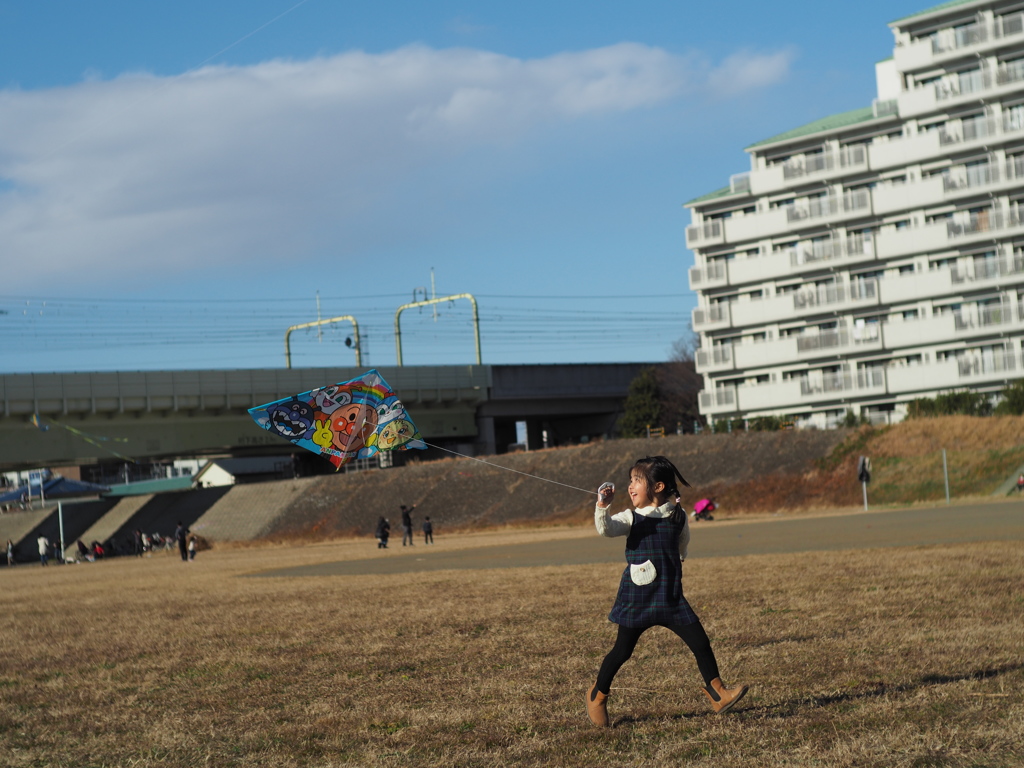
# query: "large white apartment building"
{"type": "Point", "coordinates": [875, 256]}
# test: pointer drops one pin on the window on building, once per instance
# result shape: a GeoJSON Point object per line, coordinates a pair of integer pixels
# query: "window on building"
{"type": "Point", "coordinates": [1013, 117]}
{"type": "Point", "coordinates": [910, 314]}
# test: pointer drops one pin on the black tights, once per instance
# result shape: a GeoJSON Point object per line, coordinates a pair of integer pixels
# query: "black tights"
{"type": "Point", "coordinates": [692, 634]}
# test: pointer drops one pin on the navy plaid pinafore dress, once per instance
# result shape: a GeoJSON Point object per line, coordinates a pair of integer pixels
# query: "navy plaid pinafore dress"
{"type": "Point", "coordinates": [661, 602]}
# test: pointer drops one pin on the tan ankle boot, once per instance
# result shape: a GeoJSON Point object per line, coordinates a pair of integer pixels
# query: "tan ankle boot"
{"type": "Point", "coordinates": [597, 707]}
{"type": "Point", "coordinates": [722, 697]}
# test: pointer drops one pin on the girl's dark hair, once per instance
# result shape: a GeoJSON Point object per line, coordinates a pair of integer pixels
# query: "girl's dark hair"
{"type": "Point", "coordinates": [658, 469]}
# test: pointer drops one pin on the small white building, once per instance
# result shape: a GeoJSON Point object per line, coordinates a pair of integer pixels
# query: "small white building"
{"type": "Point", "coordinates": [875, 256]}
{"type": "Point", "coordinates": [220, 472]}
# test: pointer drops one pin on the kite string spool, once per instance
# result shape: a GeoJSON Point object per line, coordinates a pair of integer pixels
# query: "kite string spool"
{"type": "Point", "coordinates": [509, 469]}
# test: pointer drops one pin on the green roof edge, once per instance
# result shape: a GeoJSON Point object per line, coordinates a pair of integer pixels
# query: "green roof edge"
{"type": "Point", "coordinates": [939, 7]}
{"type": "Point", "coordinates": [832, 122]}
{"type": "Point", "coordinates": [723, 192]}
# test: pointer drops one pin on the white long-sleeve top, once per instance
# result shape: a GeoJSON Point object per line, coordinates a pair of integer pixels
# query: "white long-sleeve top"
{"type": "Point", "coordinates": [619, 524]}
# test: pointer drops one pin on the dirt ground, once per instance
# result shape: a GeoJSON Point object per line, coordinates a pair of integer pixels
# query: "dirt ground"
{"type": "Point", "coordinates": [546, 486]}
{"type": "Point", "coordinates": [923, 526]}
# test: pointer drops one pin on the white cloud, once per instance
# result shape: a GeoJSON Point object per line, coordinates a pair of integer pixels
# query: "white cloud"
{"type": "Point", "coordinates": [746, 71]}
{"type": "Point", "coordinates": [238, 165]}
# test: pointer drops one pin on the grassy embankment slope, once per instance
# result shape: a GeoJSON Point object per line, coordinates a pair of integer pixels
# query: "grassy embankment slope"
{"type": "Point", "coordinates": [746, 473]}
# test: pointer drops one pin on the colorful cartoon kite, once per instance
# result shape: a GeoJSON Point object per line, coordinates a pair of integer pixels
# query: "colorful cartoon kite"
{"type": "Point", "coordinates": [352, 420]}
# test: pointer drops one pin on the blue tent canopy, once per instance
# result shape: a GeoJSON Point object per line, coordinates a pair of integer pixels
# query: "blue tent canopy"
{"type": "Point", "coordinates": [56, 487]}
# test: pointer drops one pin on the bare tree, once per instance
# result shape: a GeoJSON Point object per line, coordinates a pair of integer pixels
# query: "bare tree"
{"type": "Point", "coordinates": [679, 385]}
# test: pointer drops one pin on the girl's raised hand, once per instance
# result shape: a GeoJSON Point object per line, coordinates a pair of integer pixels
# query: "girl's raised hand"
{"type": "Point", "coordinates": [605, 494]}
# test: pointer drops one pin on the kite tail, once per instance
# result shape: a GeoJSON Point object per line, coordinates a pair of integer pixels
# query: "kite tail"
{"type": "Point", "coordinates": [94, 440]}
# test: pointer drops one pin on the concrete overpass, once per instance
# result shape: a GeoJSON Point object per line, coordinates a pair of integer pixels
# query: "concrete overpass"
{"type": "Point", "coordinates": [163, 415]}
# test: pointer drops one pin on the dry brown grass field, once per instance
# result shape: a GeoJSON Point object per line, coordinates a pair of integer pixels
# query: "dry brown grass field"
{"type": "Point", "coordinates": [897, 657]}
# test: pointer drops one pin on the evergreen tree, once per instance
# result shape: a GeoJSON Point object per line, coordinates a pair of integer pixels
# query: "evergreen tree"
{"type": "Point", "coordinates": [642, 407]}
{"type": "Point", "coordinates": [1012, 403]}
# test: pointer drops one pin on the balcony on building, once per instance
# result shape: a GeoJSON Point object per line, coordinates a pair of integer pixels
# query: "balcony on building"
{"type": "Point", "coordinates": [768, 397]}
{"type": "Point", "coordinates": [832, 386]}
{"type": "Point", "coordinates": [975, 132]}
{"type": "Point", "coordinates": [806, 256]}
{"type": "Point", "coordinates": [812, 300]}
{"type": "Point", "coordinates": [713, 274]}
{"type": "Point", "coordinates": [986, 272]}
{"type": "Point", "coordinates": [972, 368]}
{"type": "Point", "coordinates": [863, 337]}
{"type": "Point", "coordinates": [951, 43]}
{"type": "Point", "coordinates": [718, 358]}
{"type": "Point", "coordinates": [835, 296]}
{"type": "Point", "coordinates": [990, 365]}
{"type": "Point", "coordinates": [708, 233]}
{"type": "Point", "coordinates": [958, 88]}
{"type": "Point", "coordinates": [829, 208]}
{"type": "Point", "coordinates": [986, 316]}
{"type": "Point", "coordinates": [764, 354]}
{"type": "Point", "coordinates": [718, 400]}
{"type": "Point", "coordinates": [712, 317]}
{"type": "Point", "coordinates": [758, 226]}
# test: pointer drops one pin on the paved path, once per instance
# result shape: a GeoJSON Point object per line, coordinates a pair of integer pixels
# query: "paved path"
{"type": "Point", "coordinates": [897, 528]}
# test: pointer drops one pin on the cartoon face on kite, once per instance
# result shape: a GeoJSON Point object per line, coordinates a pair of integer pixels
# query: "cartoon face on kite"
{"type": "Point", "coordinates": [329, 399]}
{"type": "Point", "coordinates": [342, 422]}
{"type": "Point", "coordinates": [352, 425]}
{"type": "Point", "coordinates": [395, 433]}
{"type": "Point", "coordinates": [391, 408]}
{"type": "Point", "coordinates": [291, 419]}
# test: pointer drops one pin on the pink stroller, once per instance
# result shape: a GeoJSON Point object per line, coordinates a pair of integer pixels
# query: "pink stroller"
{"type": "Point", "coordinates": [702, 510]}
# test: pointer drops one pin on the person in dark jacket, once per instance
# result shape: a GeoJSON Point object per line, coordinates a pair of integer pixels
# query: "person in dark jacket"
{"type": "Point", "coordinates": [383, 532]}
{"type": "Point", "coordinates": [181, 536]}
{"type": "Point", "coordinates": [407, 524]}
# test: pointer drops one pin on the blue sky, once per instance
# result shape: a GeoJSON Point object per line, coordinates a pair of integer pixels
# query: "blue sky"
{"type": "Point", "coordinates": [180, 181]}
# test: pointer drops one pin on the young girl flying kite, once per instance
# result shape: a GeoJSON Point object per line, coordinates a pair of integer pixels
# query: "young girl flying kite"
{"type": "Point", "coordinates": [651, 590]}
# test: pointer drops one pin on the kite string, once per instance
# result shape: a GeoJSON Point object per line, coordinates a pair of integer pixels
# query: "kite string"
{"type": "Point", "coordinates": [508, 469]}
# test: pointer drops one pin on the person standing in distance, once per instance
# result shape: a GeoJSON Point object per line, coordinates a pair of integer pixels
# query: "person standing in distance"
{"type": "Point", "coordinates": [407, 523]}
{"type": "Point", "coordinates": [181, 536]}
